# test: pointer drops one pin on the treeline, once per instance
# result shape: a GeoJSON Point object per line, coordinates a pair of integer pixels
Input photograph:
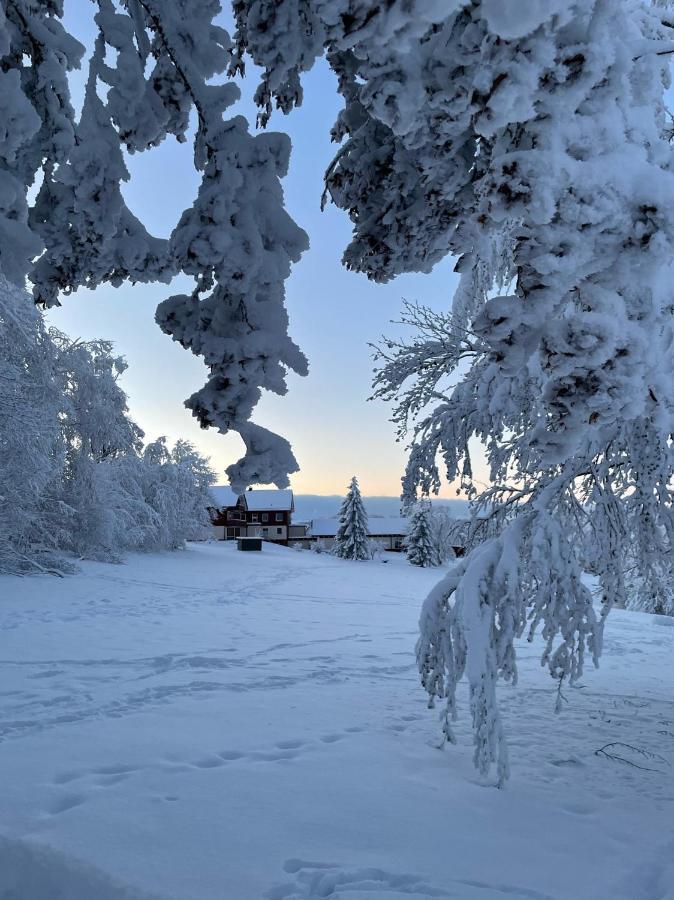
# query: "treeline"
{"type": "Point", "coordinates": [76, 479]}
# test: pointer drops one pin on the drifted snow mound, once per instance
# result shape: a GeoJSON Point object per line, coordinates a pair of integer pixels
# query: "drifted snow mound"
{"type": "Point", "coordinates": [30, 872]}
{"type": "Point", "coordinates": [667, 621]}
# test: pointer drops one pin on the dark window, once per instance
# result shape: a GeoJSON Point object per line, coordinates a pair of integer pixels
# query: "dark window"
{"type": "Point", "coordinates": [279, 531]}
{"type": "Point", "coordinates": [254, 517]}
{"type": "Point", "coordinates": [279, 517]}
{"type": "Point", "coordinates": [265, 517]}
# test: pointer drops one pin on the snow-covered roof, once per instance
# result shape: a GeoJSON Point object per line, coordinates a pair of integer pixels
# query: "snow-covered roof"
{"type": "Point", "coordinates": [378, 526]}
{"type": "Point", "coordinates": [259, 500]}
{"type": "Point", "coordinates": [223, 495]}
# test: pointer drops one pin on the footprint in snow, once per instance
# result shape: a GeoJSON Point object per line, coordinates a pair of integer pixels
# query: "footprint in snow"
{"type": "Point", "coordinates": [209, 762]}
{"type": "Point", "coordinates": [318, 879]}
{"type": "Point", "coordinates": [64, 803]}
{"type": "Point", "coordinates": [231, 755]}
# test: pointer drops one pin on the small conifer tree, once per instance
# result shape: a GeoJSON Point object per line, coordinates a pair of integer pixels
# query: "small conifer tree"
{"type": "Point", "coordinates": [421, 549]}
{"type": "Point", "coordinates": [351, 540]}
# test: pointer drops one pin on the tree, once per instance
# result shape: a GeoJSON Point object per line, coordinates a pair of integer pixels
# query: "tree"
{"type": "Point", "coordinates": [153, 63]}
{"type": "Point", "coordinates": [95, 426]}
{"type": "Point", "coordinates": [351, 540]}
{"type": "Point", "coordinates": [75, 479]}
{"type": "Point", "coordinates": [31, 448]}
{"type": "Point", "coordinates": [421, 548]}
{"type": "Point", "coordinates": [531, 141]}
{"type": "Point", "coordinates": [447, 532]}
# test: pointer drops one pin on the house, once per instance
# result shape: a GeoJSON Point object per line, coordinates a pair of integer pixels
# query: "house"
{"type": "Point", "coordinates": [266, 514]}
{"type": "Point", "coordinates": [386, 531]}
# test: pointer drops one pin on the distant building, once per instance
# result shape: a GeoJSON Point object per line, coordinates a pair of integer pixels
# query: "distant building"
{"type": "Point", "coordinates": [264, 514]}
{"type": "Point", "coordinates": [267, 514]}
{"type": "Point", "coordinates": [386, 531]}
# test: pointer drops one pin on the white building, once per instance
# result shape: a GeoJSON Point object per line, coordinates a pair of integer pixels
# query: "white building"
{"type": "Point", "coordinates": [386, 531]}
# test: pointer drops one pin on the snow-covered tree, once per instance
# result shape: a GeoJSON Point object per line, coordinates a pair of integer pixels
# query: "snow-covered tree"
{"type": "Point", "coordinates": [74, 478]}
{"type": "Point", "coordinates": [176, 486]}
{"type": "Point", "coordinates": [158, 497]}
{"type": "Point", "coordinates": [153, 63]}
{"type": "Point", "coordinates": [447, 532]}
{"type": "Point", "coordinates": [31, 448]}
{"type": "Point", "coordinates": [419, 544]}
{"type": "Point", "coordinates": [351, 540]}
{"type": "Point", "coordinates": [95, 426]}
{"type": "Point", "coordinates": [530, 141]}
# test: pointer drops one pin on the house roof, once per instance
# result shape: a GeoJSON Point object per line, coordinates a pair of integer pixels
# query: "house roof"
{"type": "Point", "coordinates": [264, 500]}
{"type": "Point", "coordinates": [223, 495]}
{"type": "Point", "coordinates": [378, 526]}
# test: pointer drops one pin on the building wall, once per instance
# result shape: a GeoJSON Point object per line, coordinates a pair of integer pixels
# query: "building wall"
{"type": "Point", "coordinates": [275, 531]}
{"type": "Point", "coordinates": [234, 522]}
{"type": "Point", "coordinates": [386, 541]}
{"type": "Point", "coordinates": [257, 518]}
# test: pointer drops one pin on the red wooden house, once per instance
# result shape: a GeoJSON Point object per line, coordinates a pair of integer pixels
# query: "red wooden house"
{"type": "Point", "coordinates": [266, 514]}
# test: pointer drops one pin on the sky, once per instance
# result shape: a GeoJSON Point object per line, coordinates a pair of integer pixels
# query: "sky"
{"type": "Point", "coordinates": [334, 314]}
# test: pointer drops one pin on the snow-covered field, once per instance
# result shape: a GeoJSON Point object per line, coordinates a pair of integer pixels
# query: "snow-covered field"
{"type": "Point", "coordinates": [214, 725]}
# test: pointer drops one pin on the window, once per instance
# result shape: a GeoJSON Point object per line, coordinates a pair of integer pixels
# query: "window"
{"type": "Point", "coordinates": [254, 517]}
{"type": "Point", "coordinates": [279, 517]}
{"type": "Point", "coordinates": [279, 531]}
{"type": "Point", "coordinates": [265, 517]}
{"type": "Point", "coordinates": [265, 532]}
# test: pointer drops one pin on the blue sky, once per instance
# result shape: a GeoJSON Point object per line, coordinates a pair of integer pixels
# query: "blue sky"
{"type": "Point", "coordinates": [334, 430]}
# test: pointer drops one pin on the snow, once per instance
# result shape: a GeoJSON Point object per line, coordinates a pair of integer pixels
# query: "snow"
{"type": "Point", "coordinates": [223, 495]}
{"type": "Point", "coordinates": [211, 724]}
{"type": "Point", "coordinates": [257, 500]}
{"type": "Point", "coordinates": [378, 526]}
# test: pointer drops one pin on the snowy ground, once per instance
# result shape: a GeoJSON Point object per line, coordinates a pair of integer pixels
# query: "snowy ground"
{"type": "Point", "coordinates": [213, 725]}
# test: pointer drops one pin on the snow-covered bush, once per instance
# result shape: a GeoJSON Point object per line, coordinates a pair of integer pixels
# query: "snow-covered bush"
{"type": "Point", "coordinates": [419, 544]}
{"type": "Point", "coordinates": [351, 540]}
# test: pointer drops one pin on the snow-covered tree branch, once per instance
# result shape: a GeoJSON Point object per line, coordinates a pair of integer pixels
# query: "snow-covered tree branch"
{"type": "Point", "coordinates": [152, 63]}
{"type": "Point", "coordinates": [530, 141]}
